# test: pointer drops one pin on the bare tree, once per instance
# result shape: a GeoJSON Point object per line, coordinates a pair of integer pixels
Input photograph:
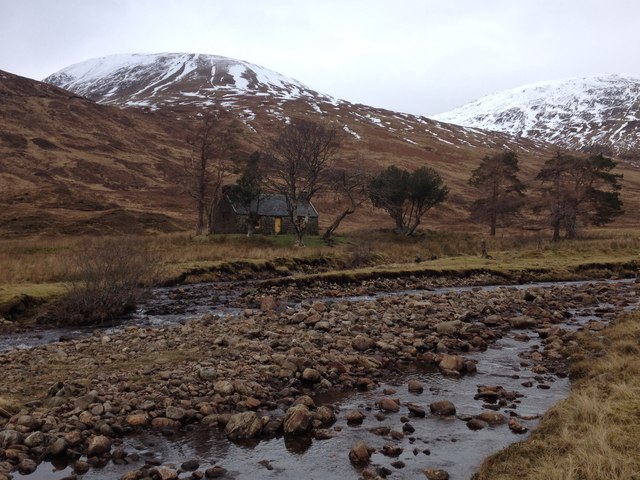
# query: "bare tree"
{"type": "Point", "coordinates": [301, 155]}
{"type": "Point", "coordinates": [350, 188]}
{"type": "Point", "coordinates": [209, 165]}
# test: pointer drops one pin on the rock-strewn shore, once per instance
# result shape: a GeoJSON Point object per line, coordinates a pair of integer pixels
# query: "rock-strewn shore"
{"type": "Point", "coordinates": [78, 398]}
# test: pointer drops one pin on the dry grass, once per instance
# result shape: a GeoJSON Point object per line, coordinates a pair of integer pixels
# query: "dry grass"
{"type": "Point", "coordinates": [29, 264]}
{"type": "Point", "coordinates": [595, 433]}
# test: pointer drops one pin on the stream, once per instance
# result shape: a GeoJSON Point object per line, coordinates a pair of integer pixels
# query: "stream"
{"type": "Point", "coordinates": [430, 441]}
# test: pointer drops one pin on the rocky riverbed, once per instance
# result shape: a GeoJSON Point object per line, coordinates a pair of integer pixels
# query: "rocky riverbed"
{"type": "Point", "coordinates": [256, 375]}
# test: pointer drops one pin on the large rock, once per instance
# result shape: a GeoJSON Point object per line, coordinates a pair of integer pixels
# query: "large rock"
{"type": "Point", "coordinates": [442, 408]}
{"type": "Point", "coordinates": [415, 386]}
{"type": "Point", "coordinates": [243, 425]}
{"type": "Point", "coordinates": [389, 405]}
{"type": "Point", "coordinates": [492, 418]}
{"type": "Point", "coordinates": [360, 454]}
{"type": "Point", "coordinates": [452, 362]}
{"type": "Point", "coordinates": [311, 375]}
{"type": "Point", "coordinates": [98, 446]}
{"type": "Point", "coordinates": [138, 419]}
{"type": "Point", "coordinates": [297, 420]}
{"type": "Point", "coordinates": [10, 437]}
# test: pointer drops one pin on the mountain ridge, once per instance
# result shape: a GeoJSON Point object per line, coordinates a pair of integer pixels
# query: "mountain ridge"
{"type": "Point", "coordinates": [596, 114]}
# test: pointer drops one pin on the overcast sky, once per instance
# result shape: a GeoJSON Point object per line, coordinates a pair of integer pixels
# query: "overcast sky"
{"type": "Point", "coordinates": [415, 56]}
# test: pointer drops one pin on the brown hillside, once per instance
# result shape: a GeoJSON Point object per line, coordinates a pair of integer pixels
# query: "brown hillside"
{"type": "Point", "coordinates": [69, 165]}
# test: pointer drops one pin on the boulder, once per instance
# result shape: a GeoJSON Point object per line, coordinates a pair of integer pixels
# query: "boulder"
{"type": "Point", "coordinates": [98, 446]}
{"type": "Point", "coordinates": [311, 375]}
{"type": "Point", "coordinates": [243, 425]}
{"type": "Point", "coordinates": [360, 454]}
{"type": "Point", "coordinates": [297, 420]}
{"type": "Point", "coordinates": [443, 408]}
{"type": "Point", "coordinates": [389, 405]}
{"type": "Point", "coordinates": [415, 386]}
{"type": "Point", "coordinates": [452, 362]}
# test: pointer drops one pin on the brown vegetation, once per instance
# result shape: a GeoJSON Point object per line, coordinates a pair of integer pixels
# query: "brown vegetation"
{"type": "Point", "coordinates": [595, 433]}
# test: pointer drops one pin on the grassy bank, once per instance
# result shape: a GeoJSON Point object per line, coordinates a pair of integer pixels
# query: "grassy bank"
{"type": "Point", "coordinates": [37, 268]}
{"type": "Point", "coordinates": [595, 433]}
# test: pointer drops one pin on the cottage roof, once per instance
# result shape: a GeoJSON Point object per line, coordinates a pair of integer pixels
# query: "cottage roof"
{"type": "Point", "coordinates": [274, 206]}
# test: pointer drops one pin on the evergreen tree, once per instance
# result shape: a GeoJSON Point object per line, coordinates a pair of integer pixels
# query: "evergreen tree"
{"type": "Point", "coordinates": [496, 177]}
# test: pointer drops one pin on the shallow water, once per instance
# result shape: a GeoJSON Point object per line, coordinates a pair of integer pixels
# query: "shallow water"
{"type": "Point", "coordinates": [451, 444]}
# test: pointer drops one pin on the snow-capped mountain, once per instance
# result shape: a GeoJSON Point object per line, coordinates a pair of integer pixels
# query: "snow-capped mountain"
{"type": "Point", "coordinates": [600, 113]}
{"type": "Point", "coordinates": [262, 98]}
{"type": "Point", "coordinates": [176, 79]}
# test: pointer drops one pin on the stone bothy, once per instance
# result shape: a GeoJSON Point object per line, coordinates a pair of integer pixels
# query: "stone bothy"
{"type": "Point", "coordinates": [270, 213]}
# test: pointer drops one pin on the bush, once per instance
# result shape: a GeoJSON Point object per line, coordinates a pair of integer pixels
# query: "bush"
{"type": "Point", "coordinates": [106, 281]}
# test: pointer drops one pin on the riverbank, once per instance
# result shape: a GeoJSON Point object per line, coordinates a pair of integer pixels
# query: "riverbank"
{"type": "Point", "coordinates": [594, 433]}
{"type": "Point", "coordinates": [189, 261]}
{"type": "Point", "coordinates": [80, 398]}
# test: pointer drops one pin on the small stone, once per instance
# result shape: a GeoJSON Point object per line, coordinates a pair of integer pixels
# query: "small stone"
{"type": "Point", "coordinates": [417, 410]}
{"type": "Point", "coordinates": [492, 418]}
{"type": "Point", "coordinates": [436, 474]}
{"type": "Point", "coordinates": [476, 424]}
{"type": "Point", "coordinates": [311, 375]}
{"type": "Point", "coordinates": [214, 472]}
{"type": "Point", "coordinates": [415, 386]}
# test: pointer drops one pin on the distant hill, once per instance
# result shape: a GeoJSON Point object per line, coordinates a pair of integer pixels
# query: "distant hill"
{"type": "Point", "coordinates": [103, 152]}
{"type": "Point", "coordinates": [592, 114]}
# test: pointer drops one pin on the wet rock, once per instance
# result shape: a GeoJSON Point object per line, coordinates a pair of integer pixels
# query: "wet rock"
{"type": "Point", "coordinates": [433, 474]}
{"type": "Point", "coordinates": [451, 362]}
{"type": "Point", "coordinates": [355, 417]}
{"type": "Point", "coordinates": [523, 322]}
{"type": "Point", "coordinates": [58, 447]}
{"type": "Point", "coordinates": [389, 405]}
{"type": "Point", "coordinates": [164, 423]}
{"type": "Point", "coordinates": [165, 473]}
{"type": "Point", "coordinates": [517, 427]}
{"type": "Point", "coordinates": [492, 418]}
{"type": "Point", "coordinates": [297, 420]}
{"type": "Point", "coordinates": [243, 425]}
{"type": "Point", "coordinates": [190, 465]}
{"type": "Point", "coordinates": [325, 415]}
{"type": "Point", "coordinates": [81, 467]}
{"type": "Point", "coordinates": [360, 454]}
{"type": "Point", "coordinates": [415, 386]}
{"type": "Point", "coordinates": [442, 408]}
{"type": "Point", "coordinates": [417, 410]}
{"type": "Point", "coordinates": [392, 450]}
{"type": "Point", "coordinates": [98, 446]}
{"type": "Point", "coordinates": [215, 472]}
{"type": "Point", "coordinates": [27, 466]}
{"type": "Point", "coordinates": [408, 428]}
{"type": "Point", "coordinates": [476, 424]}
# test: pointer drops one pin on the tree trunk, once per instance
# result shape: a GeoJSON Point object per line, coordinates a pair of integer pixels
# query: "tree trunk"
{"type": "Point", "coordinates": [493, 225]}
{"type": "Point", "coordinates": [200, 222]}
{"type": "Point", "coordinates": [336, 223]}
{"type": "Point", "coordinates": [556, 230]}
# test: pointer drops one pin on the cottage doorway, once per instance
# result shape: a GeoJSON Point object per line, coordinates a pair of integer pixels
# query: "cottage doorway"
{"type": "Point", "coordinates": [277, 225]}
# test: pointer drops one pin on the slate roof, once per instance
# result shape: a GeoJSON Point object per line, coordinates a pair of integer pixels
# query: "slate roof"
{"type": "Point", "coordinates": [275, 206]}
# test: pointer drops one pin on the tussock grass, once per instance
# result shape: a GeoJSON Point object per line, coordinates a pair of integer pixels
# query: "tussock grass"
{"type": "Point", "coordinates": [9, 405]}
{"type": "Point", "coordinates": [595, 433]}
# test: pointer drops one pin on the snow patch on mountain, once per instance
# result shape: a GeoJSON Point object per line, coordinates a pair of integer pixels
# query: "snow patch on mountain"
{"type": "Point", "coordinates": [579, 113]}
{"type": "Point", "coordinates": [175, 79]}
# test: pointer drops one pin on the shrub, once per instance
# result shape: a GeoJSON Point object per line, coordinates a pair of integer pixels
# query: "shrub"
{"type": "Point", "coordinates": [106, 280]}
